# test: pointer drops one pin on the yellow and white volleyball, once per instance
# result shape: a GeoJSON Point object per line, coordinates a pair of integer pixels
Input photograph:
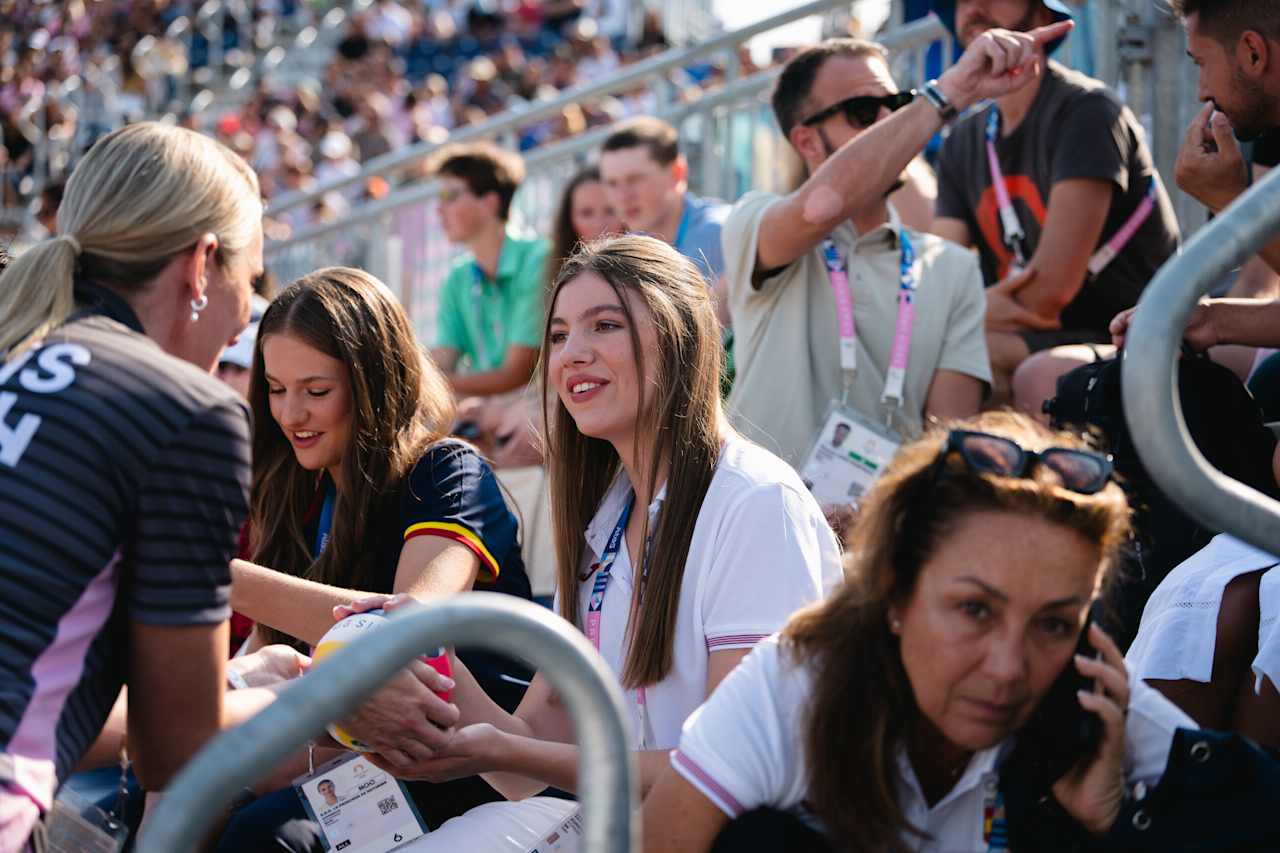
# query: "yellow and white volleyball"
{"type": "Point", "coordinates": [339, 636]}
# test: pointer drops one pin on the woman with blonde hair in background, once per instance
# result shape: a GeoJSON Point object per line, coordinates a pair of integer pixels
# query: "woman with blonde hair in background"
{"type": "Point", "coordinates": [125, 468]}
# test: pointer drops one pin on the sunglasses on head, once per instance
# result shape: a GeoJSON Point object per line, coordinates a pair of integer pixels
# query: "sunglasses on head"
{"type": "Point", "coordinates": [862, 110]}
{"type": "Point", "coordinates": [1083, 471]}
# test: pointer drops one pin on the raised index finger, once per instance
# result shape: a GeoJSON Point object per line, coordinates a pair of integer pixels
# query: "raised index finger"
{"type": "Point", "coordinates": [1049, 32]}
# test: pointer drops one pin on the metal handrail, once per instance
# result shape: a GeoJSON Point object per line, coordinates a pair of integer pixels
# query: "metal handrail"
{"type": "Point", "coordinates": [336, 686]}
{"type": "Point", "coordinates": [624, 79]}
{"type": "Point", "coordinates": [910, 36]}
{"type": "Point", "coordinates": [1149, 377]}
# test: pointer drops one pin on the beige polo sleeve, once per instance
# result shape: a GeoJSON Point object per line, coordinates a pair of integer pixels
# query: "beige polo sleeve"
{"type": "Point", "coordinates": [964, 348]}
{"type": "Point", "coordinates": [739, 240]}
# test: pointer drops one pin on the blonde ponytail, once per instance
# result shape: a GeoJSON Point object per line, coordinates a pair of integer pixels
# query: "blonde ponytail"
{"type": "Point", "coordinates": [141, 195]}
{"type": "Point", "coordinates": [36, 293]}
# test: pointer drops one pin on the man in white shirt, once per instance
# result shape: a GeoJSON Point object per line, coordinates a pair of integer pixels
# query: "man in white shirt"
{"type": "Point", "coordinates": [782, 300]}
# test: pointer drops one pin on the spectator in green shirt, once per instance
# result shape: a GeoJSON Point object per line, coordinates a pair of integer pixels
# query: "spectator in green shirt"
{"type": "Point", "coordinates": [490, 318]}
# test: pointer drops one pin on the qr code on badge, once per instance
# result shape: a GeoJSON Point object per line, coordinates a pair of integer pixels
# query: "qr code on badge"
{"type": "Point", "coordinates": [388, 805]}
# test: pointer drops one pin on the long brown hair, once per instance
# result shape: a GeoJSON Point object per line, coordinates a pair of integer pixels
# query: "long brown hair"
{"type": "Point", "coordinates": [564, 239]}
{"type": "Point", "coordinates": [862, 704]}
{"type": "Point", "coordinates": [680, 410]}
{"type": "Point", "coordinates": [400, 404]}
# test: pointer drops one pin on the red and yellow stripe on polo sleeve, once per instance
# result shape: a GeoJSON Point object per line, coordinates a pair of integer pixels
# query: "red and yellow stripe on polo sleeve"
{"type": "Point", "coordinates": [488, 565]}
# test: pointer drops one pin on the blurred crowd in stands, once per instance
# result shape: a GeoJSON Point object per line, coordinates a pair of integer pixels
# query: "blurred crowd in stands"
{"type": "Point", "coordinates": [399, 73]}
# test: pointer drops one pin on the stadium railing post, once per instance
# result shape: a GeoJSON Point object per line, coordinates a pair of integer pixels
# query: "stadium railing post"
{"type": "Point", "coordinates": [1150, 378]}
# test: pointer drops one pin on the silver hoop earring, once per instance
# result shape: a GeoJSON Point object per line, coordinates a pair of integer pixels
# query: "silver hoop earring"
{"type": "Point", "coordinates": [198, 305]}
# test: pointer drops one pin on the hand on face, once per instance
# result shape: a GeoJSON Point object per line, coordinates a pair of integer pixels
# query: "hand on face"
{"type": "Point", "coordinates": [997, 63]}
{"type": "Point", "coordinates": [1210, 165]}
{"type": "Point", "coordinates": [983, 637]}
{"type": "Point", "coordinates": [1094, 793]}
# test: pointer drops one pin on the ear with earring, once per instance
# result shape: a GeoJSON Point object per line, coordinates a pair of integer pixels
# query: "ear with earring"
{"type": "Point", "coordinates": [895, 625]}
{"type": "Point", "coordinates": [198, 305]}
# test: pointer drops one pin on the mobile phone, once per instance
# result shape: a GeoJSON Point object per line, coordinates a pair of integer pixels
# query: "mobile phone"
{"type": "Point", "coordinates": [1061, 733]}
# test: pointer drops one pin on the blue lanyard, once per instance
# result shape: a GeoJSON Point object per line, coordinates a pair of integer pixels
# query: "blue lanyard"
{"type": "Point", "coordinates": [907, 280]}
{"type": "Point", "coordinates": [684, 223]}
{"type": "Point", "coordinates": [326, 522]}
{"type": "Point", "coordinates": [604, 571]}
{"type": "Point", "coordinates": [993, 124]}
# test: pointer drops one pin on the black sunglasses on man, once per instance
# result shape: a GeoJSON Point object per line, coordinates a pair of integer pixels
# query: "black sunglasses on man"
{"type": "Point", "coordinates": [862, 110]}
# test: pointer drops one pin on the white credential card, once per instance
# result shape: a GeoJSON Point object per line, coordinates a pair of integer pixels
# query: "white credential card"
{"type": "Point", "coordinates": [360, 808]}
{"type": "Point", "coordinates": [847, 457]}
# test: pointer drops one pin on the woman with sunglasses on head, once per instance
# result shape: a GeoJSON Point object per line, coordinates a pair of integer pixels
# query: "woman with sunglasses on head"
{"type": "Point", "coordinates": [680, 544]}
{"type": "Point", "coordinates": [939, 700]}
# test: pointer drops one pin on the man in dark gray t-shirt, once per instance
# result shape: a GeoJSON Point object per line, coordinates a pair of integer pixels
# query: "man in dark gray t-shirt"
{"type": "Point", "coordinates": [1080, 183]}
{"type": "Point", "coordinates": [1076, 129]}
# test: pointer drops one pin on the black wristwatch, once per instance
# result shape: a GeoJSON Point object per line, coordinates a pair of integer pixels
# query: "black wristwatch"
{"type": "Point", "coordinates": [934, 95]}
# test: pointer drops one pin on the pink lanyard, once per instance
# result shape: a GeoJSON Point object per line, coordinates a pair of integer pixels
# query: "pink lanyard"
{"type": "Point", "coordinates": [838, 274]}
{"type": "Point", "coordinates": [1015, 238]}
{"type": "Point", "coordinates": [1108, 251]}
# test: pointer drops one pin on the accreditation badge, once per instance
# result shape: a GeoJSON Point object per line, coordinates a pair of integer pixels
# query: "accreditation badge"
{"type": "Point", "coordinates": [359, 807]}
{"type": "Point", "coordinates": [848, 456]}
{"type": "Point", "coordinates": [565, 837]}
{"type": "Point", "coordinates": [75, 825]}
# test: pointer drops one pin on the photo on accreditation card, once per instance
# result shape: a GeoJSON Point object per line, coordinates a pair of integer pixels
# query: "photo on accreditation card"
{"type": "Point", "coordinates": [360, 808]}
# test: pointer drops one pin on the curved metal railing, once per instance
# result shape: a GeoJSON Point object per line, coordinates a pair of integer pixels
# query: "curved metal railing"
{"type": "Point", "coordinates": [1149, 373]}
{"type": "Point", "coordinates": [336, 686]}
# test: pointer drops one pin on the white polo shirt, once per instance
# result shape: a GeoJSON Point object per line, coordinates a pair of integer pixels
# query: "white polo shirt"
{"type": "Point", "coordinates": [761, 549]}
{"type": "Point", "coordinates": [744, 749]}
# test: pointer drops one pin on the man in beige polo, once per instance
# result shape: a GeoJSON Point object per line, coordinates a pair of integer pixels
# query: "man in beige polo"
{"type": "Point", "coordinates": [778, 262]}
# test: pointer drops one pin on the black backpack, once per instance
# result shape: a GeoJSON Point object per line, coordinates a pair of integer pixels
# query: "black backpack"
{"type": "Point", "coordinates": [1226, 424]}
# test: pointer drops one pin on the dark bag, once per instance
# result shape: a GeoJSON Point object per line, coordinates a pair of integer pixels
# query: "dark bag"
{"type": "Point", "coordinates": [1226, 424]}
{"type": "Point", "coordinates": [1219, 794]}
